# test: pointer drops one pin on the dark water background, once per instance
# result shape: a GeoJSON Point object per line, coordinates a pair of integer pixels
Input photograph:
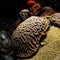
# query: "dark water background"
{"type": "Point", "coordinates": [10, 8]}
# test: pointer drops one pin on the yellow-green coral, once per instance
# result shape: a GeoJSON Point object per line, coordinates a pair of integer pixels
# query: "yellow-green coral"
{"type": "Point", "coordinates": [50, 51]}
{"type": "Point", "coordinates": [53, 34]}
{"type": "Point", "coordinates": [57, 58]}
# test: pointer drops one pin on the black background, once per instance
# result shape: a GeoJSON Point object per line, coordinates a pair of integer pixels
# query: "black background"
{"type": "Point", "coordinates": [11, 8]}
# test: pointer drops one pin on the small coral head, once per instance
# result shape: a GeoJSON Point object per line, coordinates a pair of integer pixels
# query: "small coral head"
{"type": "Point", "coordinates": [31, 2]}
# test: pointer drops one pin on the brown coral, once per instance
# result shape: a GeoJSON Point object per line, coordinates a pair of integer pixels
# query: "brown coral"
{"type": "Point", "coordinates": [57, 18]}
{"type": "Point", "coordinates": [27, 35]}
